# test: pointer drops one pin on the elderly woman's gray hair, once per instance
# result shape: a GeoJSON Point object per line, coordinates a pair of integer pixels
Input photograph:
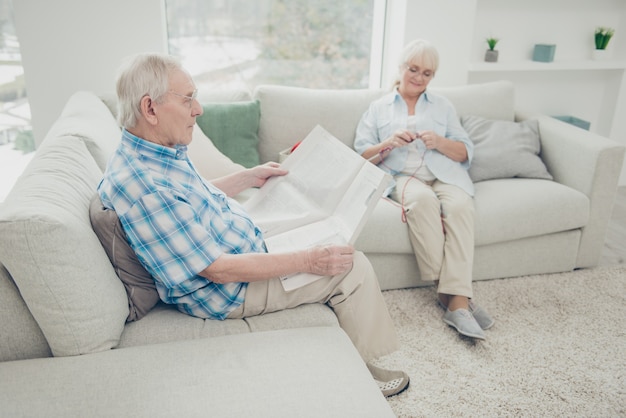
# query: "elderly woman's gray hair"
{"type": "Point", "coordinates": [142, 75]}
{"type": "Point", "coordinates": [418, 51]}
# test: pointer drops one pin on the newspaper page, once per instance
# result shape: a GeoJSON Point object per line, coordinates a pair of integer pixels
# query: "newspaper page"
{"type": "Point", "coordinates": [326, 198]}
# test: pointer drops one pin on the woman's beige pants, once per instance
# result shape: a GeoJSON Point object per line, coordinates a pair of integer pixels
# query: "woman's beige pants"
{"type": "Point", "coordinates": [440, 217]}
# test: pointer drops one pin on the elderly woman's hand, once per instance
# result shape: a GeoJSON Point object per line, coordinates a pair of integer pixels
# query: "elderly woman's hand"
{"type": "Point", "coordinates": [430, 139]}
{"type": "Point", "coordinates": [399, 139]}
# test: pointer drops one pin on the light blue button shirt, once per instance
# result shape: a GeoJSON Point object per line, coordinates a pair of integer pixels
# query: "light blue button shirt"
{"type": "Point", "coordinates": [434, 113]}
{"type": "Point", "coordinates": [177, 223]}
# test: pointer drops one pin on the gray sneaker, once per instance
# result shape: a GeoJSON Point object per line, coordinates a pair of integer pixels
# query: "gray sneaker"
{"type": "Point", "coordinates": [481, 316]}
{"type": "Point", "coordinates": [464, 322]}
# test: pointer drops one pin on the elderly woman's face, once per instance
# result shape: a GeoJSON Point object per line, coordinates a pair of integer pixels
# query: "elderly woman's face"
{"type": "Point", "coordinates": [414, 77]}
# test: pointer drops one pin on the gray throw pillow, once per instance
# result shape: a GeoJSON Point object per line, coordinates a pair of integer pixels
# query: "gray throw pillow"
{"type": "Point", "coordinates": [139, 284]}
{"type": "Point", "coordinates": [504, 149]}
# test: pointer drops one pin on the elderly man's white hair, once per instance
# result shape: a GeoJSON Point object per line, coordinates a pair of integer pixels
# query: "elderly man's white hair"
{"type": "Point", "coordinates": [139, 76]}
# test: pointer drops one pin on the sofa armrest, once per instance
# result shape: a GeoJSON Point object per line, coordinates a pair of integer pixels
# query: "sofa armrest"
{"type": "Point", "coordinates": [589, 163]}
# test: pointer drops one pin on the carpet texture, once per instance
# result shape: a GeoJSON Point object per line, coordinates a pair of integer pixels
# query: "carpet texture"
{"type": "Point", "coordinates": [558, 349]}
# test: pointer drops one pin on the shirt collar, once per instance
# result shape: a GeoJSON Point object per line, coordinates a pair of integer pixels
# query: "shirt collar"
{"type": "Point", "coordinates": [145, 147]}
{"type": "Point", "coordinates": [396, 96]}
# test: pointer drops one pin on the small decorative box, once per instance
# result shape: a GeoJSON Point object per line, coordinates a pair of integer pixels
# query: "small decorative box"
{"type": "Point", "coordinates": [544, 53]}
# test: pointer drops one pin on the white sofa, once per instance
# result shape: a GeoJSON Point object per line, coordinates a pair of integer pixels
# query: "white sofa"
{"type": "Point", "coordinates": [61, 298]}
{"type": "Point", "coordinates": [523, 226]}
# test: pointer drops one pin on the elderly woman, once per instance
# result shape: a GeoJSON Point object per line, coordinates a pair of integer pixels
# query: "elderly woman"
{"type": "Point", "coordinates": [415, 135]}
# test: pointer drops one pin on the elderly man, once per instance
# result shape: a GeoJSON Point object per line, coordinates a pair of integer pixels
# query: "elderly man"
{"type": "Point", "coordinates": [205, 253]}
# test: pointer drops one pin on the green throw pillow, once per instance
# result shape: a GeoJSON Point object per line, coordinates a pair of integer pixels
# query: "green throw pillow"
{"type": "Point", "coordinates": [232, 127]}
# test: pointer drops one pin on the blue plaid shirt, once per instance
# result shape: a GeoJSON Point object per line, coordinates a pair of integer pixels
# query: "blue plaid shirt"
{"type": "Point", "coordinates": [178, 224]}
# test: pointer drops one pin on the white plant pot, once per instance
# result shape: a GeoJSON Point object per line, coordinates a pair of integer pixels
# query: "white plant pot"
{"type": "Point", "coordinates": [600, 54]}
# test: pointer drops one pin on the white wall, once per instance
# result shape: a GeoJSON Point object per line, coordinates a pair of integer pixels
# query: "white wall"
{"type": "Point", "coordinates": [71, 45]}
{"type": "Point", "coordinates": [445, 23]}
{"type": "Point", "coordinates": [573, 84]}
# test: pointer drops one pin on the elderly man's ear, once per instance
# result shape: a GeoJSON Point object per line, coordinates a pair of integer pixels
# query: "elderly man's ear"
{"type": "Point", "coordinates": [148, 110]}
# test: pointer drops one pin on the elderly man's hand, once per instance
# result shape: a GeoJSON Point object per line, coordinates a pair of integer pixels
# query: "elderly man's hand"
{"type": "Point", "coordinates": [329, 260]}
{"type": "Point", "coordinates": [260, 173]}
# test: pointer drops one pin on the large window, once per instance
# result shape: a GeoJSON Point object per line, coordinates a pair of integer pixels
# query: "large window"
{"type": "Point", "coordinates": [242, 43]}
{"type": "Point", "coordinates": [16, 136]}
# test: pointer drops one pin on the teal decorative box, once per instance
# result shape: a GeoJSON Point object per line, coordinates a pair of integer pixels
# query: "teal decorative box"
{"type": "Point", "coordinates": [544, 53]}
{"type": "Point", "coordinates": [572, 120]}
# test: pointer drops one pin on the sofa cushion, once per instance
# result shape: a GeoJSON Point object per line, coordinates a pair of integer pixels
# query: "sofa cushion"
{"type": "Point", "coordinates": [232, 127]}
{"type": "Point", "coordinates": [87, 117]}
{"type": "Point", "coordinates": [207, 159]}
{"type": "Point", "coordinates": [288, 114]}
{"type": "Point", "coordinates": [52, 253]}
{"type": "Point", "coordinates": [139, 284]}
{"type": "Point", "coordinates": [165, 323]}
{"type": "Point", "coordinates": [492, 100]}
{"type": "Point", "coordinates": [504, 149]}
{"type": "Point", "coordinates": [511, 209]}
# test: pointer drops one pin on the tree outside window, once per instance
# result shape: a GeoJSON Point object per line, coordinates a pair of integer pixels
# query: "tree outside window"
{"type": "Point", "coordinates": [304, 43]}
{"type": "Point", "coordinates": [16, 136]}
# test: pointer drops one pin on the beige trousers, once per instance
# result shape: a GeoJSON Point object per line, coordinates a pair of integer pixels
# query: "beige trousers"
{"type": "Point", "coordinates": [440, 217]}
{"type": "Point", "coordinates": [355, 298]}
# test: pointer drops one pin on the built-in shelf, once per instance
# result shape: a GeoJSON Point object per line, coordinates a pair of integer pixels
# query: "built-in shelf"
{"type": "Point", "coordinates": [547, 66]}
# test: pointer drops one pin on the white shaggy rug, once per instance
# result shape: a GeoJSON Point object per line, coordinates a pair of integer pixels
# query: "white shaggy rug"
{"type": "Point", "coordinates": [558, 349]}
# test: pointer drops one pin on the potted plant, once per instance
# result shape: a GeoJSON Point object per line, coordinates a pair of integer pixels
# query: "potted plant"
{"type": "Point", "coordinates": [602, 36]}
{"type": "Point", "coordinates": [491, 55]}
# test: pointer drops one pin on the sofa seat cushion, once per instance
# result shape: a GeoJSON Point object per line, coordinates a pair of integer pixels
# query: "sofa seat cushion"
{"type": "Point", "coordinates": [510, 209]}
{"type": "Point", "coordinates": [53, 255]}
{"type": "Point", "coordinates": [164, 323]}
{"type": "Point", "coordinates": [306, 372]}
{"type": "Point", "coordinates": [384, 232]}
{"type": "Point", "coordinates": [506, 210]}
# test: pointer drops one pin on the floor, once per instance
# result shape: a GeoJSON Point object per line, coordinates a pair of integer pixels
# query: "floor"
{"type": "Point", "coordinates": [614, 251]}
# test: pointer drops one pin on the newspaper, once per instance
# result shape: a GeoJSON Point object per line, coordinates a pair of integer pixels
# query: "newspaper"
{"type": "Point", "coordinates": [326, 198]}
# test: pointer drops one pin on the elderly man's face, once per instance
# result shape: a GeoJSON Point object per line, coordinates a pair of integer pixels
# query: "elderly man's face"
{"type": "Point", "coordinates": [178, 110]}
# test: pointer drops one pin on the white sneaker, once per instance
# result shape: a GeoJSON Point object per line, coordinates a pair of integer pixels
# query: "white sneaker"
{"type": "Point", "coordinates": [390, 382]}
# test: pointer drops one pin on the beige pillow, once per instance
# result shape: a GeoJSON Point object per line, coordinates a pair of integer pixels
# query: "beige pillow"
{"type": "Point", "coordinates": [139, 284]}
{"type": "Point", "coordinates": [53, 255]}
{"type": "Point", "coordinates": [207, 159]}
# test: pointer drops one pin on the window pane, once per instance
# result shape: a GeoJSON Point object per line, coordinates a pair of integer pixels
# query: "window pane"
{"type": "Point", "coordinates": [241, 43]}
{"type": "Point", "coordinates": [16, 136]}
